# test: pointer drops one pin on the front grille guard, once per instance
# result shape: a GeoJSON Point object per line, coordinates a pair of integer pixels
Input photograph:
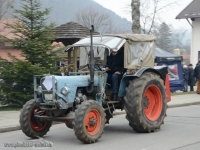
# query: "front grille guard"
{"type": "Point", "coordinates": [44, 90]}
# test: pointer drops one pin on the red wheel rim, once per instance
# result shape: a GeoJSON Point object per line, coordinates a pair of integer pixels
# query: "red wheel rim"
{"type": "Point", "coordinates": [35, 123]}
{"type": "Point", "coordinates": [93, 122]}
{"type": "Point", "coordinates": [152, 102]}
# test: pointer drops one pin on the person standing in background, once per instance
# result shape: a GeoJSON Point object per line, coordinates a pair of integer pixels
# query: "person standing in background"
{"type": "Point", "coordinates": [197, 75]}
{"type": "Point", "coordinates": [191, 79]}
{"type": "Point", "coordinates": [185, 77]}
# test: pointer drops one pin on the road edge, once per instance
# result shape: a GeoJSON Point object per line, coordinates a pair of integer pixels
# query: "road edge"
{"type": "Point", "coordinates": [17, 127]}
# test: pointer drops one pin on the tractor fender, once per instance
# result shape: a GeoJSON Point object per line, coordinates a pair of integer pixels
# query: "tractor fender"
{"type": "Point", "coordinates": [162, 71]}
{"type": "Point", "coordinates": [148, 69]}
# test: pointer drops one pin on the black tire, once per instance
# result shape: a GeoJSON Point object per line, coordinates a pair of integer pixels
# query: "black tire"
{"type": "Point", "coordinates": [85, 132]}
{"type": "Point", "coordinates": [143, 94]}
{"type": "Point", "coordinates": [31, 126]}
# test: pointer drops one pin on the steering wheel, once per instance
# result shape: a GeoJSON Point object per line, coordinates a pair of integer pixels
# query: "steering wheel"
{"type": "Point", "coordinates": [97, 66]}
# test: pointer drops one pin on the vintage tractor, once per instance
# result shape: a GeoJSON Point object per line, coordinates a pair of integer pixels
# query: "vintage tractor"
{"type": "Point", "coordinates": [82, 99]}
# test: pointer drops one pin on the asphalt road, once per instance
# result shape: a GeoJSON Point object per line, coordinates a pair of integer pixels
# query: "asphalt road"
{"type": "Point", "coordinates": [181, 131]}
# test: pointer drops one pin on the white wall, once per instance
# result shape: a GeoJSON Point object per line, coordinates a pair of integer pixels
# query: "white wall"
{"type": "Point", "coordinates": [195, 44]}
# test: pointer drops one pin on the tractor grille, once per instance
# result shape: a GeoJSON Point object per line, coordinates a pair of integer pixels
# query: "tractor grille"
{"type": "Point", "coordinates": [47, 94]}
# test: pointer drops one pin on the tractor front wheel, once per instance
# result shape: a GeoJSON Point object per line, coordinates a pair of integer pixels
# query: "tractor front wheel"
{"type": "Point", "coordinates": [30, 125]}
{"type": "Point", "coordinates": [89, 121]}
{"type": "Point", "coordinates": [145, 103]}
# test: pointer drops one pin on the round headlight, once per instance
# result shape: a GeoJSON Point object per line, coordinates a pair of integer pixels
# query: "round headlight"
{"type": "Point", "coordinates": [64, 90]}
{"type": "Point", "coordinates": [40, 89]}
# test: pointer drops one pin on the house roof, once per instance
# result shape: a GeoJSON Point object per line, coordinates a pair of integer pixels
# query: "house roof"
{"type": "Point", "coordinates": [191, 11]}
{"type": "Point", "coordinates": [72, 30]}
{"type": "Point", "coordinates": [4, 31]}
{"type": "Point", "coordinates": [14, 52]}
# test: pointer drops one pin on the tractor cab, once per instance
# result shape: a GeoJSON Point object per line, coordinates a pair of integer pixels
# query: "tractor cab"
{"type": "Point", "coordinates": [139, 50]}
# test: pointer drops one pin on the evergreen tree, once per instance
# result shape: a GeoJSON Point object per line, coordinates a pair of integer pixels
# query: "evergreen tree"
{"type": "Point", "coordinates": [33, 37]}
{"type": "Point", "coordinates": [17, 85]}
{"type": "Point", "coordinates": [164, 37]}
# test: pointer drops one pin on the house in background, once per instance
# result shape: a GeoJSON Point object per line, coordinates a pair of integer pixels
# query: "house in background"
{"type": "Point", "coordinates": [185, 56]}
{"type": "Point", "coordinates": [6, 47]}
{"type": "Point", "coordinates": [192, 14]}
{"type": "Point", "coordinates": [69, 34]}
{"type": "Point", "coordinates": [66, 34]}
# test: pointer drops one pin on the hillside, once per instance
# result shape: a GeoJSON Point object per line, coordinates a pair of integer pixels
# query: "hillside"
{"type": "Point", "coordinates": [63, 11]}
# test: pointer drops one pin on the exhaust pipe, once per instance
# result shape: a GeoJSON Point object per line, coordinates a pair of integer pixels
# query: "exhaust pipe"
{"type": "Point", "coordinates": [90, 87]}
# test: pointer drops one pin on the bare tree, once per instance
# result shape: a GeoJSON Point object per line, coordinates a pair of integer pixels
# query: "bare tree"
{"type": "Point", "coordinates": [90, 16]}
{"type": "Point", "coordinates": [180, 40]}
{"type": "Point", "coordinates": [5, 7]}
{"type": "Point", "coordinates": [187, 46]}
{"type": "Point", "coordinates": [150, 12]}
{"type": "Point", "coordinates": [135, 7]}
{"type": "Point", "coordinates": [178, 37]}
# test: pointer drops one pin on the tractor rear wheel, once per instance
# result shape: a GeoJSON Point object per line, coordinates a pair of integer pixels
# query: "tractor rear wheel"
{"type": "Point", "coordinates": [145, 103]}
{"type": "Point", "coordinates": [89, 121]}
{"type": "Point", "coordinates": [30, 125]}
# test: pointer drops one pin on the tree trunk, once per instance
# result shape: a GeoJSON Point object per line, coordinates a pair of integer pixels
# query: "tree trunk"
{"type": "Point", "coordinates": [135, 6]}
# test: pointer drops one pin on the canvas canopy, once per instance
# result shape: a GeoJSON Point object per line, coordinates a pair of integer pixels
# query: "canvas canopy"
{"type": "Point", "coordinates": [136, 37]}
{"type": "Point", "coordinates": [139, 49]}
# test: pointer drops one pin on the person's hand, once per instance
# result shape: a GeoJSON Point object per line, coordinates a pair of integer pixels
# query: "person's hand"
{"type": "Point", "coordinates": [117, 72]}
{"type": "Point", "coordinates": [107, 69]}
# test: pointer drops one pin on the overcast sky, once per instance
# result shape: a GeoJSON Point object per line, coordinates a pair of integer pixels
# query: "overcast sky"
{"type": "Point", "coordinates": [119, 7]}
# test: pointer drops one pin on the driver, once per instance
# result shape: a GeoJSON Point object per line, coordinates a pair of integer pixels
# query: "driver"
{"type": "Point", "coordinates": [115, 70]}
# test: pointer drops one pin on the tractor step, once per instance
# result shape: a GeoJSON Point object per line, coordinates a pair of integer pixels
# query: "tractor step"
{"type": "Point", "coordinates": [110, 102]}
{"type": "Point", "coordinates": [111, 105]}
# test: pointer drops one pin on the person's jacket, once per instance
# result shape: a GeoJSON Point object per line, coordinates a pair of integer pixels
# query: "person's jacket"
{"type": "Point", "coordinates": [197, 71]}
{"type": "Point", "coordinates": [116, 63]}
{"type": "Point", "coordinates": [191, 80]}
{"type": "Point", "coordinates": [185, 74]}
